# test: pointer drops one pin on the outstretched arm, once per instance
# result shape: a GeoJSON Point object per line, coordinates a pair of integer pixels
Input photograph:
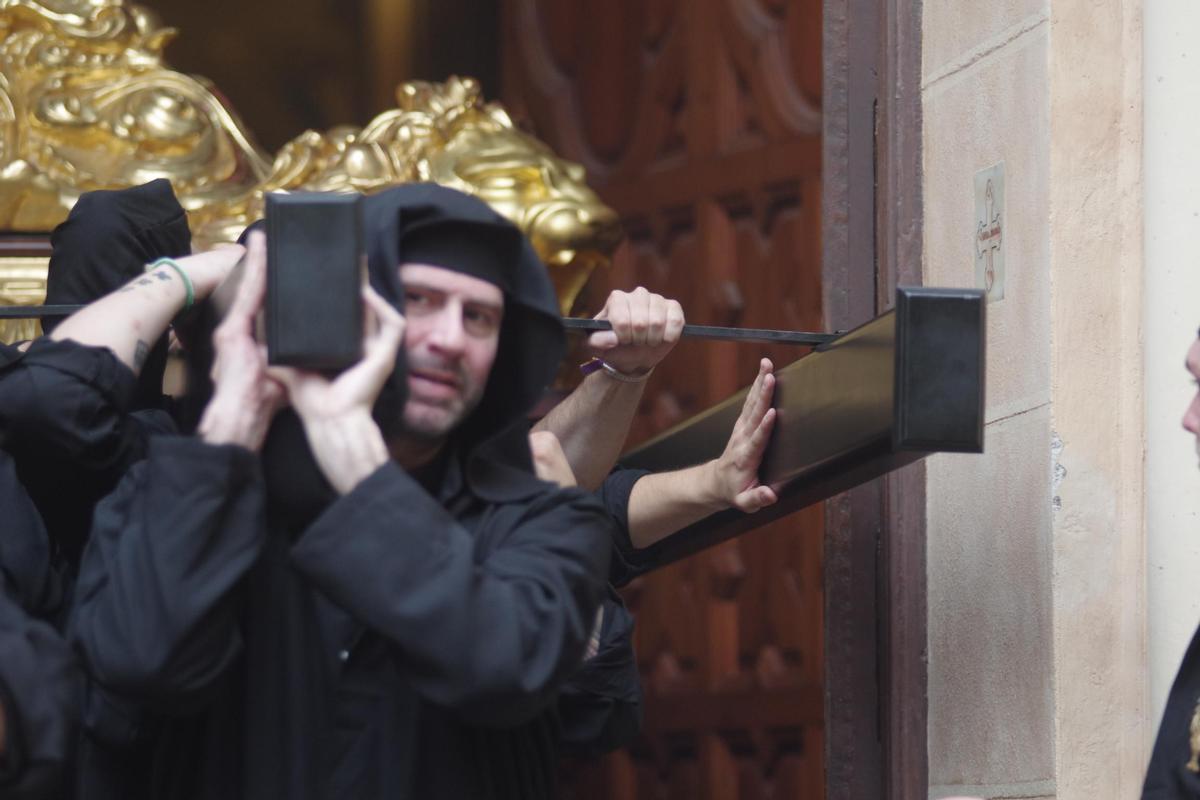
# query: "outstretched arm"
{"type": "Point", "coordinates": [130, 320]}
{"type": "Point", "coordinates": [663, 503]}
{"type": "Point", "coordinates": [592, 422]}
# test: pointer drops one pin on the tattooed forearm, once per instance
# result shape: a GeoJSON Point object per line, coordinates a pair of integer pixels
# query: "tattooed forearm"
{"type": "Point", "coordinates": [140, 354]}
{"type": "Point", "coordinates": [144, 281]}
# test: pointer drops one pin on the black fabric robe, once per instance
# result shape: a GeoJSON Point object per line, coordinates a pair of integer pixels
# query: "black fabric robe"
{"type": "Point", "coordinates": [106, 240]}
{"type": "Point", "coordinates": [400, 641]}
{"type": "Point", "coordinates": [627, 561]}
{"type": "Point", "coordinates": [1168, 776]}
{"type": "Point", "coordinates": [67, 421]}
{"type": "Point", "coordinates": [39, 677]}
{"type": "Point", "coordinates": [73, 417]}
{"type": "Point", "coordinates": [401, 646]}
{"type": "Point", "coordinates": [65, 417]}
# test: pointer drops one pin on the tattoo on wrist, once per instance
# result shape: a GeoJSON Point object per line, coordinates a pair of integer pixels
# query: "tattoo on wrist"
{"type": "Point", "coordinates": [162, 275]}
{"type": "Point", "coordinates": [142, 281]}
{"type": "Point", "coordinates": [140, 353]}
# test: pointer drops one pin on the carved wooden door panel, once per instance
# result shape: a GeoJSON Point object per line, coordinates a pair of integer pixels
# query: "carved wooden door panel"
{"type": "Point", "coordinates": [700, 122]}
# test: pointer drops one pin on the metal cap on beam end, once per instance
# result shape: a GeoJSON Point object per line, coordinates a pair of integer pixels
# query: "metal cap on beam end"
{"type": "Point", "coordinates": [940, 368]}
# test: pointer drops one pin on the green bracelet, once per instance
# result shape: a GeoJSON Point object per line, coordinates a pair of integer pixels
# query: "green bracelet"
{"type": "Point", "coordinates": [187, 282]}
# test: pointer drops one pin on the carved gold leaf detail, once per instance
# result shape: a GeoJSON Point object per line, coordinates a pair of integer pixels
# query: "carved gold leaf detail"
{"type": "Point", "coordinates": [87, 103]}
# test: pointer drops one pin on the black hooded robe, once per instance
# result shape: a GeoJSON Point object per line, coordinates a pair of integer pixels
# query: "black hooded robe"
{"type": "Point", "coordinates": [39, 677]}
{"type": "Point", "coordinates": [1169, 777]}
{"type": "Point", "coordinates": [73, 417]}
{"type": "Point", "coordinates": [400, 641]}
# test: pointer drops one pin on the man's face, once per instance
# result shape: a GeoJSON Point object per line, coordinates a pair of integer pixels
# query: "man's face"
{"type": "Point", "coordinates": [1191, 418]}
{"type": "Point", "coordinates": [450, 341]}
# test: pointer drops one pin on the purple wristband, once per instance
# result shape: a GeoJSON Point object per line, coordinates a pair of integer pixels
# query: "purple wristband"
{"type": "Point", "coordinates": [591, 365]}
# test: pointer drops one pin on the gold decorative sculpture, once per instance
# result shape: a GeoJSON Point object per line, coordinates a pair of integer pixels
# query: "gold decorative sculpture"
{"type": "Point", "coordinates": [444, 132]}
{"type": "Point", "coordinates": [87, 103]}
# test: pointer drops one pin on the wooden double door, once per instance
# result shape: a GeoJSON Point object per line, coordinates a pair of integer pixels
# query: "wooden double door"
{"type": "Point", "coordinates": [748, 148]}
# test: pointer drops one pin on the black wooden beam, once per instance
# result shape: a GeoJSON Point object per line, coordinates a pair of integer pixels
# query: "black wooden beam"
{"type": "Point", "coordinates": [907, 384]}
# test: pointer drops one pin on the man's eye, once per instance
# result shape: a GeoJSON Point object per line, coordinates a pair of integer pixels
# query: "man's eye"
{"type": "Point", "coordinates": [480, 322]}
{"type": "Point", "coordinates": [417, 301]}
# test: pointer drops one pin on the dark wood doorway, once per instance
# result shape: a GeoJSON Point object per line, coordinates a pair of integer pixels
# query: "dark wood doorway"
{"type": "Point", "coordinates": [701, 123]}
{"type": "Point", "coordinates": [764, 156]}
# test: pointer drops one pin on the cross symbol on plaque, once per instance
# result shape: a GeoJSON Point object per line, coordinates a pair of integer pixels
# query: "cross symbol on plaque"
{"type": "Point", "coordinates": [989, 236]}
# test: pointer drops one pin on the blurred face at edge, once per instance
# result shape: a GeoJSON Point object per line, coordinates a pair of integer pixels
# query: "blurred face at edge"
{"type": "Point", "coordinates": [1191, 417]}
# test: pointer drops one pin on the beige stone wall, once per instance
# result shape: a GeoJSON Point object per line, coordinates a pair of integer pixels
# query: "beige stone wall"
{"type": "Point", "coordinates": [1171, 304]}
{"type": "Point", "coordinates": [1096, 258]}
{"type": "Point", "coordinates": [1036, 598]}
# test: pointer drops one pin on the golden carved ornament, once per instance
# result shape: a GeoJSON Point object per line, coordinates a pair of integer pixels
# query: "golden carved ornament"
{"type": "Point", "coordinates": [86, 102]}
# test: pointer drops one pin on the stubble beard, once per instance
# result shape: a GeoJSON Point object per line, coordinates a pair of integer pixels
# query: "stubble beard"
{"type": "Point", "coordinates": [427, 424]}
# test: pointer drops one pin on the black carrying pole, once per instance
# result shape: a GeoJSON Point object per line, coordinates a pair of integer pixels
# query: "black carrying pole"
{"type": "Point", "coordinates": [758, 335]}
{"type": "Point", "coordinates": [36, 312]}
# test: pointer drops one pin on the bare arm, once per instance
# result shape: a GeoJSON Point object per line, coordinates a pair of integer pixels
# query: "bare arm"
{"type": "Point", "coordinates": [549, 462]}
{"type": "Point", "coordinates": [663, 503]}
{"type": "Point", "coordinates": [591, 423]}
{"type": "Point", "coordinates": [129, 320]}
{"type": "Point", "coordinates": [245, 398]}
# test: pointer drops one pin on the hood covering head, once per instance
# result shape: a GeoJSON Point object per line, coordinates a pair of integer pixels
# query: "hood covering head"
{"type": "Point", "coordinates": [108, 238]}
{"type": "Point", "coordinates": [430, 224]}
{"type": "Point", "coordinates": [424, 223]}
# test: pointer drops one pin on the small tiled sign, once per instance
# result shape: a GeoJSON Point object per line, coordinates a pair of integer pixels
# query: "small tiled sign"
{"type": "Point", "coordinates": [989, 231]}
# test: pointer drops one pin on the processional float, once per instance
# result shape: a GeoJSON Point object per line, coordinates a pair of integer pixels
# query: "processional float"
{"type": "Point", "coordinates": [86, 103]}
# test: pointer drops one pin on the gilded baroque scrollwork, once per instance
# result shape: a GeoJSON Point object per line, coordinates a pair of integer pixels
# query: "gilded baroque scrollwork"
{"type": "Point", "coordinates": [444, 132]}
{"type": "Point", "coordinates": [86, 102]}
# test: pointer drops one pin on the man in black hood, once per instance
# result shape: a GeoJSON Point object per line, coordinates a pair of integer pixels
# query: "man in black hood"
{"type": "Point", "coordinates": [1174, 769]}
{"type": "Point", "coordinates": [76, 411]}
{"type": "Point", "coordinates": [402, 619]}
{"type": "Point", "coordinates": [72, 416]}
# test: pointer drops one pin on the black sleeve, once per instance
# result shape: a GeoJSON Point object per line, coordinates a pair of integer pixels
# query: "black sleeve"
{"type": "Point", "coordinates": [69, 401]}
{"type": "Point", "coordinates": [39, 694]}
{"type": "Point", "coordinates": [64, 418]}
{"type": "Point", "coordinates": [600, 707]}
{"type": "Point", "coordinates": [155, 611]}
{"type": "Point", "coordinates": [1174, 770]}
{"type": "Point", "coordinates": [614, 494]}
{"type": "Point", "coordinates": [491, 634]}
